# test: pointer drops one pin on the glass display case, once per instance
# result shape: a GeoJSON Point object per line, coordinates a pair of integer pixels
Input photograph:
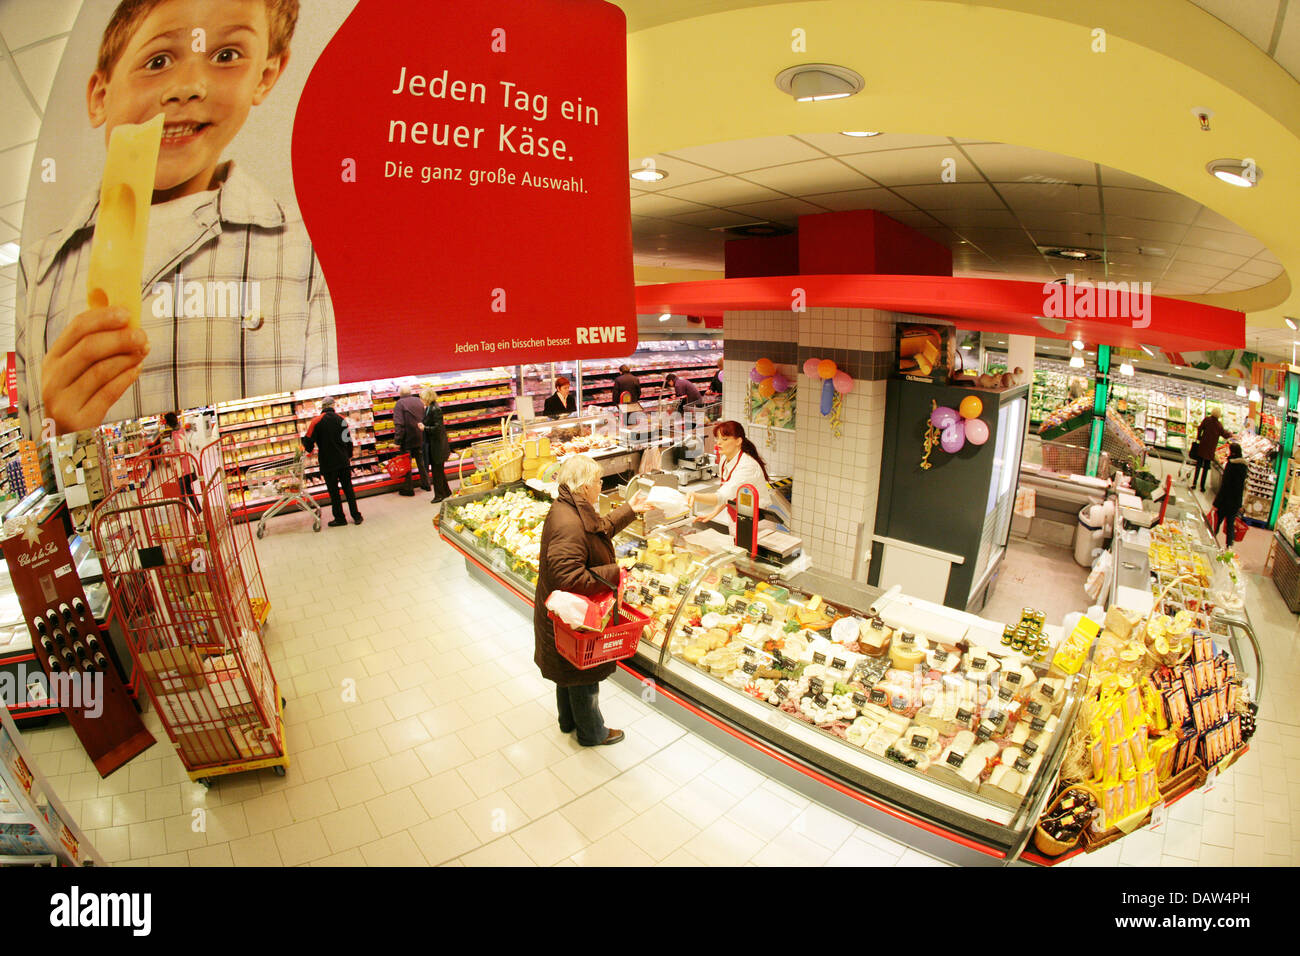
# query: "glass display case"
{"type": "Point", "coordinates": [595, 433]}
{"type": "Point", "coordinates": [921, 707]}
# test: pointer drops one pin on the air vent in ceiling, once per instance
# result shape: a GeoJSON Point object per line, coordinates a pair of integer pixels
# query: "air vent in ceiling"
{"type": "Point", "coordinates": [754, 230]}
{"type": "Point", "coordinates": [1072, 253]}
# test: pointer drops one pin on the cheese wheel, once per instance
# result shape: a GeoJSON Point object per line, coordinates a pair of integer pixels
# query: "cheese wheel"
{"type": "Point", "coordinates": [122, 222]}
{"type": "Point", "coordinates": [905, 657]}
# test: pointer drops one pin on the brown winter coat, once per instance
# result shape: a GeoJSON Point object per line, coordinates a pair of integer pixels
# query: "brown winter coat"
{"type": "Point", "coordinates": [577, 551]}
{"type": "Point", "coordinates": [1207, 437]}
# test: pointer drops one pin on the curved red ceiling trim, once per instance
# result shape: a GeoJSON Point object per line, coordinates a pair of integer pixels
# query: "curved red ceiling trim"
{"type": "Point", "coordinates": [989, 305]}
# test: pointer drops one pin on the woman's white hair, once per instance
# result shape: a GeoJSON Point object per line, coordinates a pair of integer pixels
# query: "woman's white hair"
{"type": "Point", "coordinates": [578, 471]}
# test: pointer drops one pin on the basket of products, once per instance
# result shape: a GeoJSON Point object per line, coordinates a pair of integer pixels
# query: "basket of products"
{"type": "Point", "coordinates": [502, 458]}
{"type": "Point", "coordinates": [1061, 828]}
{"type": "Point", "coordinates": [587, 649]}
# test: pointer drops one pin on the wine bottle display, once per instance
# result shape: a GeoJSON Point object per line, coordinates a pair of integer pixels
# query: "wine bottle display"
{"type": "Point", "coordinates": [79, 606]}
{"type": "Point", "coordinates": [55, 666]}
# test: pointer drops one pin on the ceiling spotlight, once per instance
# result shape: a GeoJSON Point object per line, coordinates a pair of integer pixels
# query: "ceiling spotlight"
{"type": "Point", "coordinates": [1148, 351]}
{"type": "Point", "coordinates": [8, 253]}
{"type": "Point", "coordinates": [1126, 369]}
{"type": "Point", "coordinates": [1241, 391]}
{"type": "Point", "coordinates": [1254, 394]}
{"type": "Point", "coordinates": [1076, 361]}
{"type": "Point", "coordinates": [814, 82]}
{"type": "Point", "coordinates": [1235, 172]}
{"type": "Point", "coordinates": [1078, 344]}
{"type": "Point", "coordinates": [859, 133]}
{"type": "Point", "coordinates": [652, 175]}
{"type": "Point", "coordinates": [665, 317]}
{"type": "Point", "coordinates": [1290, 322]}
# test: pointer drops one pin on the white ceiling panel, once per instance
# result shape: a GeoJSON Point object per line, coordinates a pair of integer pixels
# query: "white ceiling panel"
{"type": "Point", "coordinates": [815, 175]}
{"type": "Point", "coordinates": [778, 210]}
{"type": "Point", "coordinates": [1261, 269]}
{"type": "Point", "coordinates": [983, 218]}
{"type": "Point", "coordinates": [24, 22]}
{"type": "Point", "coordinates": [1253, 19]}
{"type": "Point", "coordinates": [38, 64]}
{"type": "Point", "coordinates": [22, 124]}
{"type": "Point", "coordinates": [1028, 197]}
{"type": "Point", "coordinates": [952, 196]}
{"type": "Point", "coordinates": [878, 198]}
{"type": "Point", "coordinates": [660, 205]}
{"type": "Point", "coordinates": [1145, 204]}
{"type": "Point", "coordinates": [1001, 162]}
{"type": "Point", "coordinates": [898, 167]}
{"type": "Point", "coordinates": [837, 144]}
{"type": "Point", "coordinates": [1195, 270]}
{"type": "Point", "coordinates": [713, 219]}
{"type": "Point", "coordinates": [15, 166]}
{"type": "Point", "coordinates": [743, 155]}
{"type": "Point", "coordinates": [1166, 234]}
{"type": "Point", "coordinates": [1222, 241]}
{"type": "Point", "coordinates": [1209, 257]}
{"type": "Point", "coordinates": [723, 192]}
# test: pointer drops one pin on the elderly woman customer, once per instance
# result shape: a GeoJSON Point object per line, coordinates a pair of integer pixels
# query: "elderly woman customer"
{"type": "Point", "coordinates": [577, 555]}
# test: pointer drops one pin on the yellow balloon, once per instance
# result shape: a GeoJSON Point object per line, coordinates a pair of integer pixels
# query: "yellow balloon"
{"type": "Point", "coordinates": [971, 407]}
{"type": "Point", "coordinates": [826, 369]}
{"type": "Point", "coordinates": [766, 388]}
{"type": "Point", "coordinates": [765, 367]}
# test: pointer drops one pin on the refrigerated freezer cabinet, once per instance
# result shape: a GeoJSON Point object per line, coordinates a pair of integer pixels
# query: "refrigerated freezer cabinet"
{"type": "Point", "coordinates": [956, 824]}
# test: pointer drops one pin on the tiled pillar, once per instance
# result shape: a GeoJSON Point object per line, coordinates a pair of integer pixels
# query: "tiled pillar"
{"type": "Point", "coordinates": [835, 479]}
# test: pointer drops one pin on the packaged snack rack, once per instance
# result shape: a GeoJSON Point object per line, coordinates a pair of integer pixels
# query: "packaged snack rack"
{"type": "Point", "coordinates": [192, 602]}
{"type": "Point", "coordinates": [35, 827]}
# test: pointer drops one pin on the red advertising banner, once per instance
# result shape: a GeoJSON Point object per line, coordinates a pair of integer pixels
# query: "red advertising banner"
{"type": "Point", "coordinates": [467, 190]}
{"type": "Point", "coordinates": [342, 190]}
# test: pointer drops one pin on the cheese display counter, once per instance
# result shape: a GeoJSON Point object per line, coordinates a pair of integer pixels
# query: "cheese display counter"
{"type": "Point", "coordinates": [945, 720]}
{"type": "Point", "coordinates": [595, 434]}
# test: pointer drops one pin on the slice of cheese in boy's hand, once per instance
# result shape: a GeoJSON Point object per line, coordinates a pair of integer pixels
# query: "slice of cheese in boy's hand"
{"type": "Point", "coordinates": [122, 223]}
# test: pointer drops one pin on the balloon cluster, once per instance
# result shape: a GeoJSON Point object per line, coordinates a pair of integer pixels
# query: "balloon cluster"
{"type": "Point", "coordinates": [834, 384]}
{"type": "Point", "coordinates": [768, 378]}
{"type": "Point", "coordinates": [951, 429]}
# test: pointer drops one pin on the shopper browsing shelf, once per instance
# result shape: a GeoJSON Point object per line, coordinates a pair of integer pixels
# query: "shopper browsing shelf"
{"type": "Point", "coordinates": [577, 555]}
{"type": "Point", "coordinates": [741, 465]}
{"type": "Point", "coordinates": [408, 422]}
{"type": "Point", "coordinates": [683, 388]}
{"type": "Point", "coordinates": [1208, 435]}
{"type": "Point", "coordinates": [437, 449]}
{"type": "Point", "coordinates": [329, 436]}
{"type": "Point", "coordinates": [627, 387]}
{"type": "Point", "coordinates": [175, 442]}
{"type": "Point", "coordinates": [561, 401]}
{"type": "Point", "coordinates": [715, 383]}
{"type": "Point", "coordinates": [1227, 503]}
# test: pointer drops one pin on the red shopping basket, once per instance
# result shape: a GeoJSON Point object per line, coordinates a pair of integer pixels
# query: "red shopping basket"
{"type": "Point", "coordinates": [586, 649]}
{"type": "Point", "coordinates": [398, 466]}
{"type": "Point", "coordinates": [1239, 529]}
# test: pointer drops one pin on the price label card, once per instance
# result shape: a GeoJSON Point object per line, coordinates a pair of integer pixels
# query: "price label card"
{"type": "Point", "coordinates": [750, 667]}
{"type": "Point", "coordinates": [978, 663]}
{"type": "Point", "coordinates": [920, 741]}
{"type": "Point", "coordinates": [1211, 779]}
{"type": "Point", "coordinates": [1158, 814]}
{"type": "Point", "coordinates": [879, 697]}
{"type": "Point", "coordinates": [1005, 693]}
{"type": "Point", "coordinates": [815, 685]}
{"type": "Point", "coordinates": [908, 638]}
{"type": "Point", "coordinates": [1034, 707]}
{"type": "Point", "coordinates": [839, 663]}
{"type": "Point", "coordinates": [859, 700]}
{"type": "Point", "coordinates": [983, 732]}
{"type": "Point", "coordinates": [682, 587]}
{"type": "Point", "coordinates": [1029, 747]}
{"type": "Point", "coordinates": [963, 715]}
{"type": "Point", "coordinates": [1022, 764]}
{"type": "Point", "coordinates": [1013, 677]}
{"type": "Point", "coordinates": [1037, 724]}
{"type": "Point", "coordinates": [956, 759]}
{"type": "Point", "coordinates": [940, 657]}
{"type": "Point", "coordinates": [1048, 691]}
{"type": "Point", "coordinates": [782, 691]}
{"type": "Point", "coordinates": [819, 657]}
{"type": "Point", "coordinates": [749, 650]}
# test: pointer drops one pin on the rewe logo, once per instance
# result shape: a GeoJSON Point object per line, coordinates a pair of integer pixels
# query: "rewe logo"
{"type": "Point", "coordinates": [132, 910]}
{"type": "Point", "coordinates": [1098, 300]}
{"type": "Point", "coordinates": [593, 334]}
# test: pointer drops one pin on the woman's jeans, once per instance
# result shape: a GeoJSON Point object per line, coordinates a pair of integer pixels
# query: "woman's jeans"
{"type": "Point", "coordinates": [1202, 471]}
{"type": "Point", "coordinates": [579, 707]}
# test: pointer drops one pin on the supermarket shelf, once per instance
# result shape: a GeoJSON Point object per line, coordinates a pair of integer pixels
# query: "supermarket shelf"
{"type": "Point", "coordinates": [225, 427]}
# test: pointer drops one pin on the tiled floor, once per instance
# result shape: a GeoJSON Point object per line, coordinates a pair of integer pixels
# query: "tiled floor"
{"type": "Point", "coordinates": [449, 754]}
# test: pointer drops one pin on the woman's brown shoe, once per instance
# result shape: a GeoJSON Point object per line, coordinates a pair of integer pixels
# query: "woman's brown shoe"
{"type": "Point", "coordinates": [614, 737]}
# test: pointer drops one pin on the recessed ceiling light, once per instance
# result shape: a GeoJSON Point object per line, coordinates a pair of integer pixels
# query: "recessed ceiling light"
{"type": "Point", "coordinates": [665, 317]}
{"type": "Point", "coordinates": [814, 82]}
{"type": "Point", "coordinates": [859, 133]}
{"type": "Point", "coordinates": [1126, 369]}
{"type": "Point", "coordinates": [1235, 172]}
{"type": "Point", "coordinates": [1078, 344]}
{"type": "Point", "coordinates": [8, 253]}
{"type": "Point", "coordinates": [1076, 361]}
{"type": "Point", "coordinates": [1148, 351]}
{"type": "Point", "coordinates": [648, 175]}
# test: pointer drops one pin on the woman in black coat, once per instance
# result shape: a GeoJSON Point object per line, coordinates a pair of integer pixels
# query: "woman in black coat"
{"type": "Point", "coordinates": [1227, 503]}
{"type": "Point", "coordinates": [577, 555]}
{"type": "Point", "coordinates": [437, 449]}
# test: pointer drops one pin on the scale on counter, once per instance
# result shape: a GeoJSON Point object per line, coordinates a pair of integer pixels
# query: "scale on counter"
{"type": "Point", "coordinates": [694, 460]}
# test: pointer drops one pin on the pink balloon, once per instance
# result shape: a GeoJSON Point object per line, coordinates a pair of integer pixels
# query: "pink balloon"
{"type": "Point", "coordinates": [810, 367]}
{"type": "Point", "coordinates": [943, 416]}
{"type": "Point", "coordinates": [756, 376]}
{"type": "Point", "coordinates": [953, 438]}
{"type": "Point", "coordinates": [843, 382]}
{"type": "Point", "coordinates": [977, 431]}
{"type": "Point", "coordinates": [780, 382]}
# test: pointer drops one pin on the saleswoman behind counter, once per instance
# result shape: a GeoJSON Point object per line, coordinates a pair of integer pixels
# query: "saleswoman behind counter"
{"type": "Point", "coordinates": [741, 465]}
{"type": "Point", "coordinates": [561, 401]}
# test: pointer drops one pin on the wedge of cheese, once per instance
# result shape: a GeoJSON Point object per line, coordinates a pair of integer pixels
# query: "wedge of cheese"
{"type": "Point", "coordinates": [116, 263]}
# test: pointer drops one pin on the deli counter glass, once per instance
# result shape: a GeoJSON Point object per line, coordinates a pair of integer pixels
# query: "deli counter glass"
{"type": "Point", "coordinates": [952, 719]}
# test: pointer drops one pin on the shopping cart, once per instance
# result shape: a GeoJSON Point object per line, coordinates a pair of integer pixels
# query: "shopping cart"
{"type": "Point", "coordinates": [283, 476]}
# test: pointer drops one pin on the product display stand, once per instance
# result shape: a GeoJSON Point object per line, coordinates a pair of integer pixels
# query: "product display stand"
{"type": "Point", "coordinates": [35, 828]}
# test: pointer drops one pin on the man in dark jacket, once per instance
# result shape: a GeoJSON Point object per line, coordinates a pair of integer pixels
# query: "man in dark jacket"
{"type": "Point", "coordinates": [628, 384]}
{"type": "Point", "coordinates": [328, 435]}
{"type": "Point", "coordinates": [408, 422]}
{"type": "Point", "coordinates": [1227, 503]}
{"type": "Point", "coordinates": [684, 389]}
{"type": "Point", "coordinates": [1208, 434]}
